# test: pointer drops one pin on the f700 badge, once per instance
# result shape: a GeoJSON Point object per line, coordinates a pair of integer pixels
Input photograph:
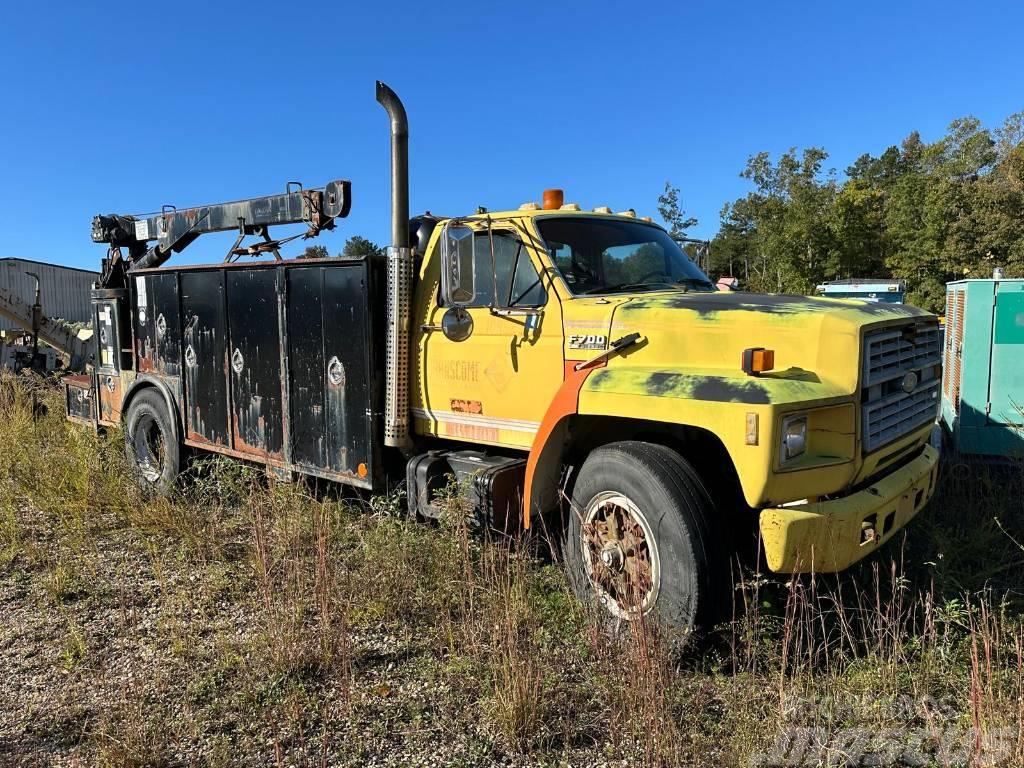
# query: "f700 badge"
{"type": "Point", "coordinates": [587, 341]}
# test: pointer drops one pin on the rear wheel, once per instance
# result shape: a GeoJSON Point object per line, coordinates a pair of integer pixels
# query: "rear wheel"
{"type": "Point", "coordinates": [639, 539]}
{"type": "Point", "coordinates": [151, 442]}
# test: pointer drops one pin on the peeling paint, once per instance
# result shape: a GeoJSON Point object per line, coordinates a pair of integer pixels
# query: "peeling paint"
{"type": "Point", "coordinates": [709, 387]}
{"type": "Point", "coordinates": [708, 306]}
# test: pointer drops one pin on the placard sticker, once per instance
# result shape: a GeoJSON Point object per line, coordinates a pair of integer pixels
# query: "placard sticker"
{"type": "Point", "coordinates": [142, 230]}
{"type": "Point", "coordinates": [140, 291]}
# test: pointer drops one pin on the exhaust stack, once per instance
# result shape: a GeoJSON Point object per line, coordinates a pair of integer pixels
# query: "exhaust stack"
{"type": "Point", "coordinates": [399, 278]}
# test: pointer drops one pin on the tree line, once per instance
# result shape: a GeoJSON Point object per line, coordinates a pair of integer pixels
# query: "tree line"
{"type": "Point", "coordinates": [927, 213]}
{"type": "Point", "coordinates": [355, 247]}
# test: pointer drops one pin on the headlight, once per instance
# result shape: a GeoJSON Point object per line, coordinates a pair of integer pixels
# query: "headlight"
{"type": "Point", "coordinates": [794, 437]}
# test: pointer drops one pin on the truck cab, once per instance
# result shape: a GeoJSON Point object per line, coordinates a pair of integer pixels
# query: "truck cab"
{"type": "Point", "coordinates": [567, 335]}
{"type": "Point", "coordinates": [574, 370]}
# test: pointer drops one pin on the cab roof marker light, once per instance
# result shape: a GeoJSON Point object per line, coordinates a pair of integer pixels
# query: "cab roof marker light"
{"type": "Point", "coordinates": [602, 209]}
{"type": "Point", "coordinates": [553, 199]}
{"type": "Point", "coordinates": [531, 206]}
{"type": "Point", "coordinates": [757, 360]}
{"type": "Point", "coordinates": [570, 207]}
{"type": "Point", "coordinates": [628, 212]}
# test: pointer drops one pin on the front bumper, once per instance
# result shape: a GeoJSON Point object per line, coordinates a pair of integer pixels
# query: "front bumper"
{"type": "Point", "coordinates": [830, 536]}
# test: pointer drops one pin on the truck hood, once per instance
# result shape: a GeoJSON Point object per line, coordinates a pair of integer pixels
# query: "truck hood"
{"type": "Point", "coordinates": [817, 342]}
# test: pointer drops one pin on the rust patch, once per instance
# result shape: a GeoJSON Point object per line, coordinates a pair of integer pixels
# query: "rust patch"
{"type": "Point", "coordinates": [467, 406]}
{"type": "Point", "coordinates": [249, 429]}
{"type": "Point", "coordinates": [110, 393]}
{"type": "Point", "coordinates": [144, 353]}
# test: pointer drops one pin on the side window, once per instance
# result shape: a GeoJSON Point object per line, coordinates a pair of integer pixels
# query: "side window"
{"type": "Point", "coordinates": [514, 277]}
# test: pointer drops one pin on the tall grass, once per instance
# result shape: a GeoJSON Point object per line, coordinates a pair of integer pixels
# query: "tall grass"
{"type": "Point", "coordinates": [923, 642]}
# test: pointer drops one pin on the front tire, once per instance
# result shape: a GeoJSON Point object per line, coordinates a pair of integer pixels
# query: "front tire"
{"type": "Point", "coordinates": [639, 539]}
{"type": "Point", "coordinates": [151, 442]}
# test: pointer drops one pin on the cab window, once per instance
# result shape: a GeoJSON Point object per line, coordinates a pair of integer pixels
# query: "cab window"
{"type": "Point", "coordinates": [596, 255]}
{"type": "Point", "coordinates": [513, 276]}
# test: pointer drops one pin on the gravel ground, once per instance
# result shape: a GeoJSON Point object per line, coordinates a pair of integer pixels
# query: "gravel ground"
{"type": "Point", "coordinates": [117, 651]}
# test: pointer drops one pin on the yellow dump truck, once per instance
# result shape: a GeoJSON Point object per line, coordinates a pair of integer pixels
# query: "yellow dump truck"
{"type": "Point", "coordinates": [573, 369]}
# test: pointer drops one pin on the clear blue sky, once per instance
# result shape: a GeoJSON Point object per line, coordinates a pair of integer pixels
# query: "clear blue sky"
{"type": "Point", "coordinates": [122, 109]}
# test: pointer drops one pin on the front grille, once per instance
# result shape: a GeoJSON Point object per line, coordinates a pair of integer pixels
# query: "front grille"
{"type": "Point", "coordinates": [888, 411]}
{"type": "Point", "coordinates": [891, 353]}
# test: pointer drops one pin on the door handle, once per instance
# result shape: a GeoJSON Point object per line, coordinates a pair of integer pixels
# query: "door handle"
{"type": "Point", "coordinates": [335, 372]}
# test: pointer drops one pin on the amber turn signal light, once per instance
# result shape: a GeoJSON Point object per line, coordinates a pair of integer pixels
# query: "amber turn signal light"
{"type": "Point", "coordinates": [758, 360]}
{"type": "Point", "coordinates": [553, 199]}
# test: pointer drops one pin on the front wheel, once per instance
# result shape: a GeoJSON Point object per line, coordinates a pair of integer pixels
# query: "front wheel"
{"type": "Point", "coordinates": [639, 539]}
{"type": "Point", "coordinates": [151, 442]}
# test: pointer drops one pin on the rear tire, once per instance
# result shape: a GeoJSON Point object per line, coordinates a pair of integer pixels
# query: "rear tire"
{"type": "Point", "coordinates": [640, 540]}
{"type": "Point", "coordinates": [151, 442]}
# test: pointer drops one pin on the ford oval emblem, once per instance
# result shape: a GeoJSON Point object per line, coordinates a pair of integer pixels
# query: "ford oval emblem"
{"type": "Point", "coordinates": [909, 383]}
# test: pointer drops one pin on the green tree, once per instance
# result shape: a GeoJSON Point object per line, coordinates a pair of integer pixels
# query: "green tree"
{"type": "Point", "coordinates": [358, 247]}
{"type": "Point", "coordinates": [314, 252]}
{"type": "Point", "coordinates": [924, 212]}
{"type": "Point", "coordinates": [671, 212]}
{"type": "Point", "coordinates": [785, 222]}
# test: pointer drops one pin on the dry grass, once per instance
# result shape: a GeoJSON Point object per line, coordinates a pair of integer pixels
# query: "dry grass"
{"type": "Point", "coordinates": [244, 621]}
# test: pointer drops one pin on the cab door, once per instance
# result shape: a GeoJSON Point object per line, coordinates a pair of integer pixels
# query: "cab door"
{"type": "Point", "coordinates": [494, 385]}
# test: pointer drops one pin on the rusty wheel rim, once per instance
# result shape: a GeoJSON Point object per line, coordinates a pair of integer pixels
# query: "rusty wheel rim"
{"type": "Point", "coordinates": [620, 555]}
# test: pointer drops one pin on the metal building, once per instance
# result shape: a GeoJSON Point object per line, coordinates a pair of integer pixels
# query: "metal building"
{"type": "Point", "coordinates": [65, 290]}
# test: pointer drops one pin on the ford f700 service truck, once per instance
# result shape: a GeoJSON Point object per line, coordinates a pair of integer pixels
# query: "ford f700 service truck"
{"type": "Point", "coordinates": [571, 368]}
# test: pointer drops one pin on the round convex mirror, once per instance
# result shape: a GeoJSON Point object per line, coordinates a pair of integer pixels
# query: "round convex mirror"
{"type": "Point", "coordinates": [457, 324]}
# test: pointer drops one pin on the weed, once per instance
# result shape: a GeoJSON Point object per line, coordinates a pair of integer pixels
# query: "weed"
{"type": "Point", "coordinates": [64, 583]}
{"type": "Point", "coordinates": [74, 647]}
{"type": "Point", "coordinates": [310, 629]}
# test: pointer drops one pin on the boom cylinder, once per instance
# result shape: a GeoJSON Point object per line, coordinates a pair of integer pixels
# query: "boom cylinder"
{"type": "Point", "coordinates": [399, 277]}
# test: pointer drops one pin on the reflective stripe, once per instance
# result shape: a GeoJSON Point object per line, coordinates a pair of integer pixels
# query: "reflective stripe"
{"type": "Point", "coordinates": [476, 420]}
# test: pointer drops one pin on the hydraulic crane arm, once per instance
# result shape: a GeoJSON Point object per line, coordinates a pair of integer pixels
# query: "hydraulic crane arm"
{"type": "Point", "coordinates": [56, 333]}
{"type": "Point", "coordinates": [174, 230]}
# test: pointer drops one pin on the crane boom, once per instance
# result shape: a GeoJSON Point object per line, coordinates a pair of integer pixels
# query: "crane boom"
{"type": "Point", "coordinates": [174, 230]}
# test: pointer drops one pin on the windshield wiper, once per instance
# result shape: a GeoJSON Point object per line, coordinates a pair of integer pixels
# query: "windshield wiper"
{"type": "Point", "coordinates": [626, 287]}
{"type": "Point", "coordinates": [696, 281]}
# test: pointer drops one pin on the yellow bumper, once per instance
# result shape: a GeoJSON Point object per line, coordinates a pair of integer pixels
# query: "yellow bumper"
{"type": "Point", "coordinates": [832, 535]}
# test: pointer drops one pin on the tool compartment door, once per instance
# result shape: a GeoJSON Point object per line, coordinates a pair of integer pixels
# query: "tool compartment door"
{"type": "Point", "coordinates": [205, 363]}
{"type": "Point", "coordinates": [330, 370]}
{"type": "Point", "coordinates": [254, 358]}
{"type": "Point", "coordinates": [157, 325]}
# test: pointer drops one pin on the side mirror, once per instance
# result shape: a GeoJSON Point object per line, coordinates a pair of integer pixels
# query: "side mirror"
{"type": "Point", "coordinates": [457, 324]}
{"type": "Point", "coordinates": [457, 266]}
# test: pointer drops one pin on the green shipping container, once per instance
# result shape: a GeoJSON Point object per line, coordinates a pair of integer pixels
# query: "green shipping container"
{"type": "Point", "coordinates": [983, 367]}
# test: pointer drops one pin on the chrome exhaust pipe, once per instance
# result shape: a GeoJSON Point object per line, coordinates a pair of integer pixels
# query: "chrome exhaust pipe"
{"type": "Point", "coordinates": [388, 99]}
{"type": "Point", "coordinates": [399, 278]}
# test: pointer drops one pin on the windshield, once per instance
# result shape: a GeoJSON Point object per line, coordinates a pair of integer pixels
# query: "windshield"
{"type": "Point", "coordinates": [607, 255]}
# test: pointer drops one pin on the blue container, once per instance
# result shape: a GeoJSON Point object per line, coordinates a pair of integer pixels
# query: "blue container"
{"type": "Point", "coordinates": [885, 291]}
{"type": "Point", "coordinates": [983, 367]}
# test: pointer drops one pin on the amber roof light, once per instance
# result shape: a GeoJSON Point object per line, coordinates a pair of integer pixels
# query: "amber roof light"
{"type": "Point", "coordinates": [553, 199]}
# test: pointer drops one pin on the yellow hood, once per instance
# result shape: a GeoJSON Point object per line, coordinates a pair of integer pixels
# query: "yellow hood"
{"type": "Point", "coordinates": [693, 343]}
